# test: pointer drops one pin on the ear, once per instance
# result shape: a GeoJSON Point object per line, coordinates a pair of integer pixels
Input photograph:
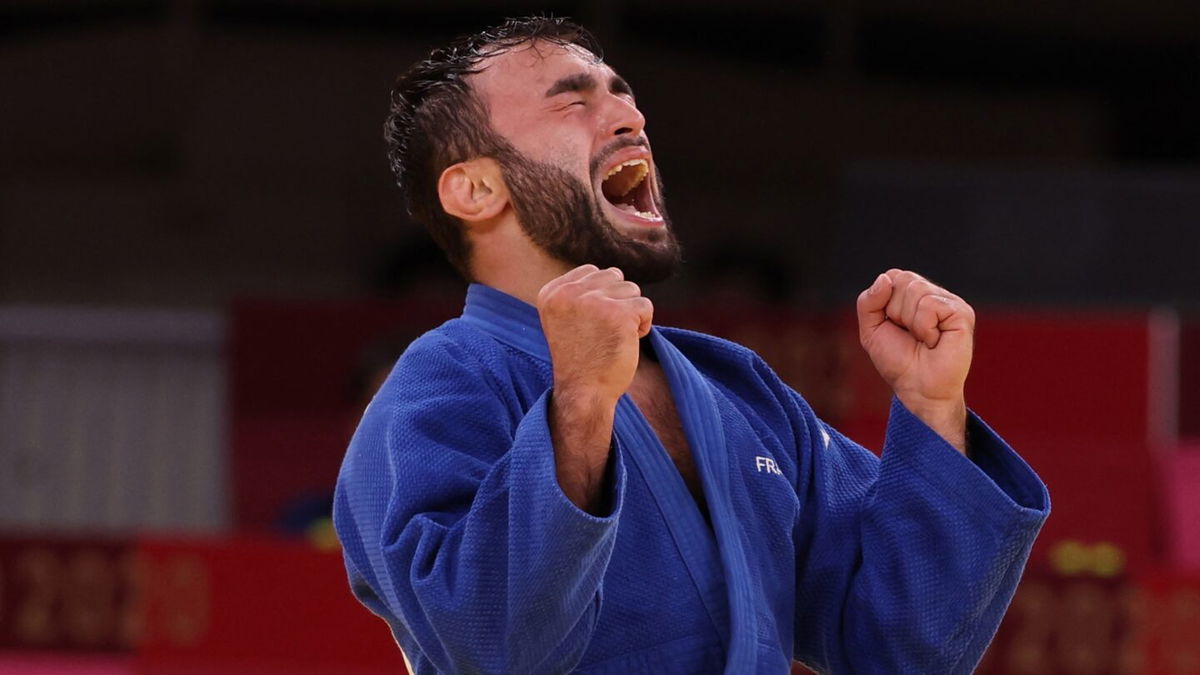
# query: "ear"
{"type": "Point", "coordinates": [473, 191]}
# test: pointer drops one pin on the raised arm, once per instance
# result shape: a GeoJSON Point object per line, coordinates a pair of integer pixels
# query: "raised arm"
{"type": "Point", "coordinates": [455, 529]}
{"type": "Point", "coordinates": [907, 563]}
{"type": "Point", "coordinates": [592, 320]}
{"type": "Point", "coordinates": [479, 529]}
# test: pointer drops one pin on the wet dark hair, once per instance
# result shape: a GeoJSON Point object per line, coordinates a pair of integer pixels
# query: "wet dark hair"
{"type": "Point", "coordinates": [435, 120]}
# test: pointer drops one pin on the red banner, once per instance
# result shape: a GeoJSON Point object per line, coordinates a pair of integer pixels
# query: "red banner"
{"type": "Point", "coordinates": [256, 606]}
{"type": "Point", "coordinates": [243, 606]}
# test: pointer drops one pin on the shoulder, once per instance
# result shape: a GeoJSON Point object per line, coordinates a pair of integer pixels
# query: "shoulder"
{"type": "Point", "coordinates": [457, 371]}
{"type": "Point", "coordinates": [451, 387]}
{"type": "Point", "coordinates": [705, 343]}
{"type": "Point", "coordinates": [743, 377]}
{"type": "Point", "coordinates": [455, 340]}
{"type": "Point", "coordinates": [447, 360]}
{"type": "Point", "coordinates": [724, 360]}
{"type": "Point", "coordinates": [452, 351]}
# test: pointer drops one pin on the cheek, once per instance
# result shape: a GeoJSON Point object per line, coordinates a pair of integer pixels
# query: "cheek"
{"type": "Point", "coordinates": [561, 143]}
{"type": "Point", "coordinates": [572, 160]}
{"type": "Point", "coordinates": [560, 154]}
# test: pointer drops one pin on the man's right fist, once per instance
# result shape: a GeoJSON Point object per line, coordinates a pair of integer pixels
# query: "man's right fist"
{"type": "Point", "coordinates": [593, 319]}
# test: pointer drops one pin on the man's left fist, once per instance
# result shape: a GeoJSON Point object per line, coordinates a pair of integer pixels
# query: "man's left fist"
{"type": "Point", "coordinates": [920, 338]}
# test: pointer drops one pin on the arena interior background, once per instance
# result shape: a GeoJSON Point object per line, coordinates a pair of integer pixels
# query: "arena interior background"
{"type": "Point", "coordinates": [204, 264]}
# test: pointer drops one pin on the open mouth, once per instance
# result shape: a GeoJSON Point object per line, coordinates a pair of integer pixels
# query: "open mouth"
{"type": "Point", "coordinates": [625, 187]}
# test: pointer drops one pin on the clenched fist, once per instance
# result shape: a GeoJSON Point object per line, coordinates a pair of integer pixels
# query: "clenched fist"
{"type": "Point", "coordinates": [920, 338]}
{"type": "Point", "coordinates": [592, 319]}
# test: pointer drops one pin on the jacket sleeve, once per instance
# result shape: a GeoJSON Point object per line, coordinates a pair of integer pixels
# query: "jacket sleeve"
{"type": "Point", "coordinates": [906, 564]}
{"type": "Point", "coordinates": [454, 528]}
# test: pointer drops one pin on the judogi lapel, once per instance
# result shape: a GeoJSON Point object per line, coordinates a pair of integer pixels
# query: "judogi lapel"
{"type": "Point", "coordinates": [717, 565]}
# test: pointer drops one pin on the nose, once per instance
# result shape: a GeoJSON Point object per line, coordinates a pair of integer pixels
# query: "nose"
{"type": "Point", "coordinates": [624, 118]}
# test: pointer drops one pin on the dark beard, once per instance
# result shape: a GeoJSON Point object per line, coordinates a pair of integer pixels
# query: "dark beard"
{"type": "Point", "coordinates": [563, 217]}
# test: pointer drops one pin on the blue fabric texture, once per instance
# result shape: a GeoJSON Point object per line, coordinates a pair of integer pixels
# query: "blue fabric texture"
{"type": "Point", "coordinates": [456, 533]}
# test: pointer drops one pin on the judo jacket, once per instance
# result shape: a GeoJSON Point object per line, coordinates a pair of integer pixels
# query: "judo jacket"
{"type": "Point", "coordinates": [456, 533]}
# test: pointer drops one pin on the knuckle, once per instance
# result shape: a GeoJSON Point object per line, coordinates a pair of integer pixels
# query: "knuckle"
{"type": "Point", "coordinates": [549, 292]}
{"type": "Point", "coordinates": [590, 296]}
{"type": "Point", "coordinates": [558, 295]}
{"type": "Point", "coordinates": [572, 292]}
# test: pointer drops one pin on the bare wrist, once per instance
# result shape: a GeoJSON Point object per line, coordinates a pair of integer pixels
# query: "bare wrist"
{"type": "Point", "coordinates": [946, 417]}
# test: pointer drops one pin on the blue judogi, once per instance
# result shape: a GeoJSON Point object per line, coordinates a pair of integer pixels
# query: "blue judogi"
{"type": "Point", "coordinates": [456, 533]}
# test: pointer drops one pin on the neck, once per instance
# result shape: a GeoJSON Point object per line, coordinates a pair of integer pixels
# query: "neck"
{"type": "Point", "coordinates": [507, 260]}
{"type": "Point", "coordinates": [524, 287]}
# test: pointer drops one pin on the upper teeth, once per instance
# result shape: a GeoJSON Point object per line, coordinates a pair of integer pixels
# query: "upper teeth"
{"type": "Point", "coordinates": [628, 162]}
{"type": "Point", "coordinates": [623, 184]}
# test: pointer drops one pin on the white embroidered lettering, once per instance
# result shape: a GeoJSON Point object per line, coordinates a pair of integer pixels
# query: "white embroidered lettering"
{"type": "Point", "coordinates": [766, 463]}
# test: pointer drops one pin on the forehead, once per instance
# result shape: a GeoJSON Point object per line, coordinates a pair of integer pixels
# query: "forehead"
{"type": "Point", "coordinates": [528, 71]}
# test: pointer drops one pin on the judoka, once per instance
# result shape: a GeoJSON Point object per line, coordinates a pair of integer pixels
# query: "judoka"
{"type": "Point", "coordinates": [552, 483]}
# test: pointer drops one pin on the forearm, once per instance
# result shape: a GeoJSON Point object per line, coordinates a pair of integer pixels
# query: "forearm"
{"type": "Point", "coordinates": [581, 427]}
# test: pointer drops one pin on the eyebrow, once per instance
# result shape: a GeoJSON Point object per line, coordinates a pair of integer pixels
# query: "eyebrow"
{"type": "Point", "coordinates": [580, 82]}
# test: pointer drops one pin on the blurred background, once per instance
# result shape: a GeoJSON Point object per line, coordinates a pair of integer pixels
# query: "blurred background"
{"type": "Point", "coordinates": [205, 269]}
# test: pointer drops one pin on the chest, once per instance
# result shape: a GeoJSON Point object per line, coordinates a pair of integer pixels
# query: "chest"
{"type": "Point", "coordinates": [650, 392]}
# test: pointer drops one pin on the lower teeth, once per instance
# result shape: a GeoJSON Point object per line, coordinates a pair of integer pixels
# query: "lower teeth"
{"type": "Point", "coordinates": [630, 208]}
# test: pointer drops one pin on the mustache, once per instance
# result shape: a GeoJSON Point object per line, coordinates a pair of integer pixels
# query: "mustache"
{"type": "Point", "coordinates": [612, 148]}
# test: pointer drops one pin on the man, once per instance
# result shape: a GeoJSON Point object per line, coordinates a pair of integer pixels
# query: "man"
{"type": "Point", "coordinates": [550, 482]}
